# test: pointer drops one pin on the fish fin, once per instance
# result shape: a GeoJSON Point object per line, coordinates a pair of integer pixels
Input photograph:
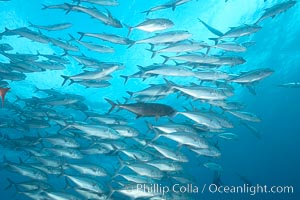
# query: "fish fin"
{"type": "Point", "coordinates": [173, 7]}
{"type": "Point", "coordinates": [40, 32]}
{"type": "Point", "coordinates": [153, 52]}
{"type": "Point", "coordinates": [65, 53]}
{"type": "Point", "coordinates": [44, 6]}
{"type": "Point", "coordinates": [251, 89]}
{"type": "Point", "coordinates": [71, 38]}
{"type": "Point", "coordinates": [130, 28]}
{"type": "Point", "coordinates": [81, 35]}
{"type": "Point", "coordinates": [147, 12]}
{"type": "Point", "coordinates": [72, 81]}
{"type": "Point", "coordinates": [125, 78]}
{"type": "Point", "coordinates": [131, 43]}
{"type": "Point", "coordinates": [70, 7]}
{"type": "Point", "coordinates": [108, 12]}
{"type": "Point", "coordinates": [67, 183]}
{"type": "Point", "coordinates": [130, 93]}
{"type": "Point", "coordinates": [62, 129]}
{"type": "Point", "coordinates": [21, 161]}
{"type": "Point", "coordinates": [126, 99]}
{"type": "Point", "coordinates": [170, 84]}
{"type": "Point", "coordinates": [122, 165]}
{"type": "Point", "coordinates": [112, 191]}
{"type": "Point", "coordinates": [65, 79]}
{"type": "Point", "coordinates": [216, 40]}
{"type": "Point", "coordinates": [152, 46]}
{"type": "Point", "coordinates": [113, 104]}
{"type": "Point", "coordinates": [157, 135]}
{"type": "Point", "coordinates": [149, 125]}
{"type": "Point", "coordinates": [141, 68]}
{"type": "Point", "coordinates": [10, 184]}
{"type": "Point", "coordinates": [30, 24]}
{"type": "Point", "coordinates": [166, 59]}
{"type": "Point", "coordinates": [138, 116]}
{"type": "Point", "coordinates": [208, 49]}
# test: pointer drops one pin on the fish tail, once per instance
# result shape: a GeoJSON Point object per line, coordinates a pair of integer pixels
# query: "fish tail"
{"type": "Point", "coordinates": [208, 49]}
{"type": "Point", "coordinates": [141, 68]}
{"type": "Point", "coordinates": [130, 28]}
{"type": "Point", "coordinates": [65, 53]}
{"type": "Point", "coordinates": [70, 8]}
{"type": "Point", "coordinates": [216, 40]}
{"type": "Point", "coordinates": [44, 7]}
{"type": "Point", "coordinates": [131, 44]}
{"type": "Point", "coordinates": [36, 89]}
{"type": "Point", "coordinates": [30, 24]}
{"type": "Point", "coordinates": [10, 184]}
{"type": "Point", "coordinates": [125, 78]}
{"type": "Point", "coordinates": [112, 191]}
{"type": "Point", "coordinates": [166, 59]}
{"type": "Point", "coordinates": [149, 125]}
{"type": "Point", "coordinates": [130, 93]}
{"type": "Point", "coordinates": [170, 84]}
{"type": "Point", "coordinates": [65, 79]}
{"type": "Point", "coordinates": [174, 114]}
{"type": "Point", "coordinates": [67, 183]}
{"type": "Point", "coordinates": [71, 37]}
{"type": "Point", "coordinates": [113, 104]}
{"type": "Point", "coordinates": [153, 52]}
{"type": "Point", "coordinates": [147, 12]}
{"type": "Point", "coordinates": [126, 99]}
{"type": "Point", "coordinates": [173, 6]}
{"type": "Point", "coordinates": [157, 135]}
{"type": "Point", "coordinates": [71, 82]}
{"type": "Point", "coordinates": [122, 165]}
{"type": "Point", "coordinates": [81, 35]}
{"type": "Point", "coordinates": [67, 126]}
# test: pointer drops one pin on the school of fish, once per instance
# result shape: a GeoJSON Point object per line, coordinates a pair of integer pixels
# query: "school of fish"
{"type": "Point", "coordinates": [101, 154]}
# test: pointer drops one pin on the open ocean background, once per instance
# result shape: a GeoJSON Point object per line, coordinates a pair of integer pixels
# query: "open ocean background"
{"type": "Point", "coordinates": [271, 160]}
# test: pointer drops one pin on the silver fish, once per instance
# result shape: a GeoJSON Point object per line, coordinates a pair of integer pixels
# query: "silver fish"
{"type": "Point", "coordinates": [106, 18]}
{"type": "Point", "coordinates": [166, 37]}
{"type": "Point", "coordinates": [276, 9]}
{"type": "Point", "coordinates": [252, 76]}
{"type": "Point", "coordinates": [54, 27]}
{"type": "Point", "coordinates": [99, 2]}
{"type": "Point", "coordinates": [107, 37]}
{"type": "Point", "coordinates": [152, 25]}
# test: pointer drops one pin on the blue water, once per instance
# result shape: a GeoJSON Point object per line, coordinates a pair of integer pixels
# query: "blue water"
{"type": "Point", "coordinates": [271, 160]}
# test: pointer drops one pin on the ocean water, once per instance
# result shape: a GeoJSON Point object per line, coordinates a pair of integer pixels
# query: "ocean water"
{"type": "Point", "coordinates": [271, 160]}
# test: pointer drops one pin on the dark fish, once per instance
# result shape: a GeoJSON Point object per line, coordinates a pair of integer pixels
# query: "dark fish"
{"type": "Point", "coordinates": [145, 109]}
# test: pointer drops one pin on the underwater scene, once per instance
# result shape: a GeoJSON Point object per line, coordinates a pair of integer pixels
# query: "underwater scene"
{"type": "Point", "coordinates": [149, 99]}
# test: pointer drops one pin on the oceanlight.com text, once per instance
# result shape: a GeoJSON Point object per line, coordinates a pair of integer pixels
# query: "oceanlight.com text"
{"type": "Point", "coordinates": [248, 189]}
